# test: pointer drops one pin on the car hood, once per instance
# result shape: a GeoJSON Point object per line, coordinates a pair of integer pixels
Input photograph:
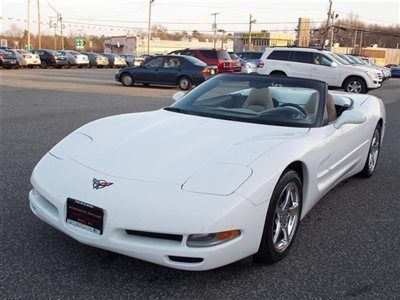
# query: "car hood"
{"type": "Point", "coordinates": [169, 147]}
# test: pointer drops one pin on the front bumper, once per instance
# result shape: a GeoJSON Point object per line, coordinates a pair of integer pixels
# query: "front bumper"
{"type": "Point", "coordinates": [148, 207]}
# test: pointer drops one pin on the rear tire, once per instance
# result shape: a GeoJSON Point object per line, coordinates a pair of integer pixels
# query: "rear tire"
{"type": "Point", "coordinates": [282, 220]}
{"type": "Point", "coordinates": [184, 83]}
{"type": "Point", "coordinates": [373, 153]}
{"type": "Point", "coordinates": [355, 85]}
{"type": "Point", "coordinates": [127, 79]}
{"type": "Point", "coordinates": [43, 65]}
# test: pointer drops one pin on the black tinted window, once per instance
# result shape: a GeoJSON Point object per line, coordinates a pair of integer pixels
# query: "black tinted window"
{"type": "Point", "coordinates": [251, 55]}
{"type": "Point", "coordinates": [279, 55]}
{"type": "Point", "coordinates": [155, 62]}
{"type": "Point", "coordinates": [209, 53]}
{"type": "Point", "coordinates": [303, 57]}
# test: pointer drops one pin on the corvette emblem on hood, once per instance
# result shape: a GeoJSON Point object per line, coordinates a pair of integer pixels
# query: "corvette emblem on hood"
{"type": "Point", "coordinates": [100, 184]}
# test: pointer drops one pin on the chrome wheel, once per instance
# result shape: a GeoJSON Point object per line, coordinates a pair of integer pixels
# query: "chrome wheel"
{"type": "Point", "coordinates": [374, 152]}
{"type": "Point", "coordinates": [354, 86]}
{"type": "Point", "coordinates": [286, 217]}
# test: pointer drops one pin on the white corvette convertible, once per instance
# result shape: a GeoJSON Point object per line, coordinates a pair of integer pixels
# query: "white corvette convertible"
{"type": "Point", "coordinates": [226, 172]}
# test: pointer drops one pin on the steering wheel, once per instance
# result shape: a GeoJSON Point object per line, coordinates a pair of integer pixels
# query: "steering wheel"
{"type": "Point", "coordinates": [298, 107]}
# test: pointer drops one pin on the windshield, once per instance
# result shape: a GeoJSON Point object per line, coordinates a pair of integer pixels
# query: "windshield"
{"type": "Point", "coordinates": [338, 58]}
{"type": "Point", "coordinates": [233, 55]}
{"type": "Point", "coordinates": [23, 52]}
{"type": "Point", "coordinates": [195, 61]}
{"type": "Point", "coordinates": [358, 60]}
{"type": "Point", "coordinates": [257, 99]}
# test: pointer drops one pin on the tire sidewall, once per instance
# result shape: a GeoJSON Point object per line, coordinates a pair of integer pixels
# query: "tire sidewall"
{"type": "Point", "coordinates": [267, 252]}
{"type": "Point", "coordinates": [183, 88]}
{"type": "Point", "coordinates": [125, 76]}
{"type": "Point", "coordinates": [364, 88]}
{"type": "Point", "coordinates": [366, 172]}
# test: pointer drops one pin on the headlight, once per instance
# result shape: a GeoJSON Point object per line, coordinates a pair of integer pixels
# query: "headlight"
{"type": "Point", "coordinates": [211, 239]}
{"type": "Point", "coordinates": [371, 74]}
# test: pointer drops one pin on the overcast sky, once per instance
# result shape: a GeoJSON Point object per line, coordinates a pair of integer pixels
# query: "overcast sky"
{"type": "Point", "coordinates": [110, 17]}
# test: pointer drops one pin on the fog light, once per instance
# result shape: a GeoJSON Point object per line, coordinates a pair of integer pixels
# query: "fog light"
{"type": "Point", "coordinates": [211, 239]}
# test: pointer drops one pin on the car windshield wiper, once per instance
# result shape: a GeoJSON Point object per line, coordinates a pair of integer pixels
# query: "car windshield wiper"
{"type": "Point", "coordinates": [179, 110]}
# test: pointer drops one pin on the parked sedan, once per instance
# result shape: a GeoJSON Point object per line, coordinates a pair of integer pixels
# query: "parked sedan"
{"type": "Point", "coordinates": [51, 58]}
{"type": "Point", "coordinates": [133, 60]}
{"type": "Point", "coordinates": [175, 70]}
{"type": "Point", "coordinates": [8, 60]}
{"type": "Point", "coordinates": [114, 60]}
{"type": "Point", "coordinates": [25, 58]}
{"type": "Point", "coordinates": [75, 58]}
{"type": "Point", "coordinates": [96, 60]}
{"type": "Point", "coordinates": [251, 56]}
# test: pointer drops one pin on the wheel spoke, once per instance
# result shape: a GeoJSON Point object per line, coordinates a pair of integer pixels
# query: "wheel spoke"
{"type": "Point", "coordinates": [277, 231]}
{"type": "Point", "coordinates": [288, 195]}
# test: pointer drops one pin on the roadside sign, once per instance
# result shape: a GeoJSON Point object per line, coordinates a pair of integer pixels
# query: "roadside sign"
{"type": "Point", "coordinates": [79, 43]}
{"type": "Point", "coordinates": [3, 43]}
{"type": "Point", "coordinates": [28, 47]}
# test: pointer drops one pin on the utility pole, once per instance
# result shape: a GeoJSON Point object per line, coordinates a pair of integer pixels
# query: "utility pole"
{"type": "Point", "coordinates": [354, 42]}
{"type": "Point", "coordinates": [29, 21]}
{"type": "Point", "coordinates": [251, 21]}
{"type": "Point", "coordinates": [214, 27]}
{"type": "Point", "coordinates": [61, 31]}
{"type": "Point", "coordinates": [38, 26]}
{"type": "Point", "coordinates": [327, 24]}
{"type": "Point", "coordinates": [333, 17]}
{"type": "Point", "coordinates": [222, 38]}
{"type": "Point", "coordinates": [361, 40]}
{"type": "Point", "coordinates": [149, 27]}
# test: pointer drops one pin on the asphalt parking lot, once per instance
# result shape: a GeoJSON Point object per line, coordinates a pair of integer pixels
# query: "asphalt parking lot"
{"type": "Point", "coordinates": [347, 246]}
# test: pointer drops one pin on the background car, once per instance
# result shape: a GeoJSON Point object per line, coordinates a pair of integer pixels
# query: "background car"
{"type": "Point", "coordinates": [8, 60]}
{"type": "Point", "coordinates": [114, 60]}
{"type": "Point", "coordinates": [175, 70]}
{"type": "Point", "coordinates": [25, 58]}
{"type": "Point", "coordinates": [75, 58]}
{"type": "Point", "coordinates": [133, 60]}
{"type": "Point", "coordinates": [212, 57]}
{"type": "Point", "coordinates": [371, 62]}
{"type": "Point", "coordinates": [50, 58]}
{"type": "Point", "coordinates": [320, 65]}
{"type": "Point", "coordinates": [355, 61]}
{"type": "Point", "coordinates": [395, 70]}
{"type": "Point", "coordinates": [237, 66]}
{"type": "Point", "coordinates": [251, 56]}
{"type": "Point", "coordinates": [96, 60]}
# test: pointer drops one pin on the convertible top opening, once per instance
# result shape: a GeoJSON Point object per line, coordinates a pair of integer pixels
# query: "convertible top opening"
{"type": "Point", "coordinates": [266, 100]}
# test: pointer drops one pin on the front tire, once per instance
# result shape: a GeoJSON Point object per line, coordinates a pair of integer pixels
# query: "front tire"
{"type": "Point", "coordinates": [127, 79]}
{"type": "Point", "coordinates": [282, 219]}
{"type": "Point", "coordinates": [184, 83]}
{"type": "Point", "coordinates": [373, 153]}
{"type": "Point", "coordinates": [43, 65]}
{"type": "Point", "coordinates": [355, 85]}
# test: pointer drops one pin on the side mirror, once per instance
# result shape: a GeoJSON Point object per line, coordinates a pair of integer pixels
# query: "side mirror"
{"type": "Point", "coordinates": [350, 117]}
{"type": "Point", "coordinates": [178, 95]}
{"type": "Point", "coordinates": [334, 64]}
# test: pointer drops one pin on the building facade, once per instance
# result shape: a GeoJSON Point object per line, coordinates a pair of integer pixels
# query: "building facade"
{"type": "Point", "coordinates": [261, 40]}
{"type": "Point", "coordinates": [120, 45]}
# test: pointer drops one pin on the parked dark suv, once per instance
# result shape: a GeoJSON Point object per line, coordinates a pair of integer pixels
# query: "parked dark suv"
{"type": "Point", "coordinates": [8, 60]}
{"type": "Point", "coordinates": [50, 58]}
{"type": "Point", "coordinates": [211, 57]}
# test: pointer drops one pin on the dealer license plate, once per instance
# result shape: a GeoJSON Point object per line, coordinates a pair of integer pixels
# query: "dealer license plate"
{"type": "Point", "coordinates": [85, 216]}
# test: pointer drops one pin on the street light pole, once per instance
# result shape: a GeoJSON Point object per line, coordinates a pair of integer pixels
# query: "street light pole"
{"type": "Point", "coordinates": [29, 21]}
{"type": "Point", "coordinates": [39, 33]}
{"type": "Point", "coordinates": [215, 29]}
{"type": "Point", "coordinates": [252, 21]}
{"type": "Point", "coordinates": [149, 27]}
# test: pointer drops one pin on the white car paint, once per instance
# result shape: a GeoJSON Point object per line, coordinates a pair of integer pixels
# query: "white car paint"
{"type": "Point", "coordinates": [334, 75]}
{"type": "Point", "coordinates": [75, 58]}
{"type": "Point", "coordinates": [26, 58]}
{"type": "Point", "coordinates": [171, 176]}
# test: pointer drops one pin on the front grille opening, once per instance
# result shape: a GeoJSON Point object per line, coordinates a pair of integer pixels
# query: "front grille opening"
{"type": "Point", "coordinates": [155, 235]}
{"type": "Point", "coordinates": [184, 259]}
